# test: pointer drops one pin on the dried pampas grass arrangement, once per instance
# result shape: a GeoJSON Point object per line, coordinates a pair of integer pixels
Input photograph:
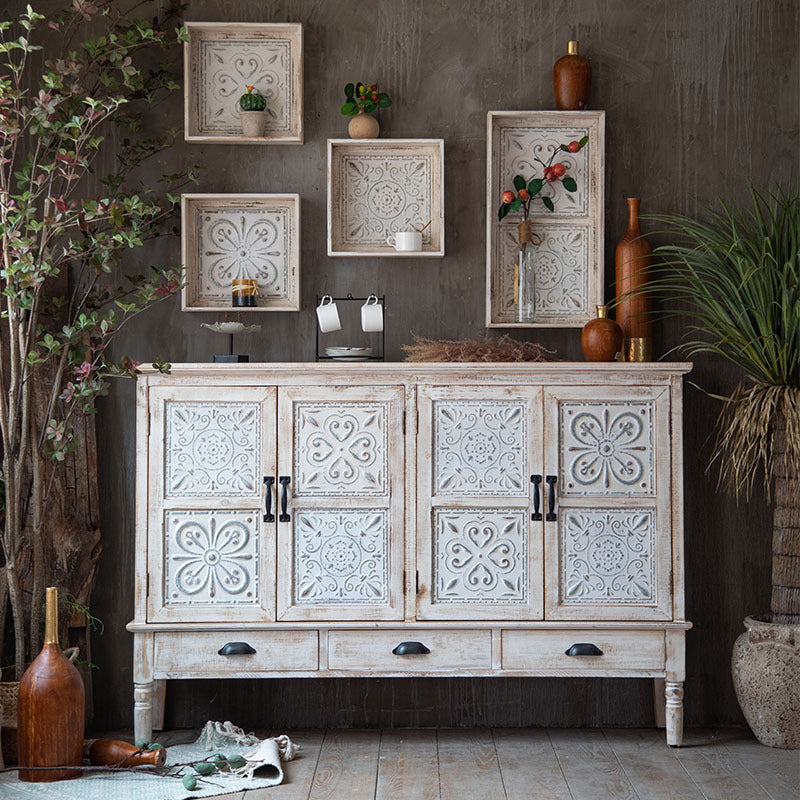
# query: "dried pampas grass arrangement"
{"type": "Point", "coordinates": [486, 349]}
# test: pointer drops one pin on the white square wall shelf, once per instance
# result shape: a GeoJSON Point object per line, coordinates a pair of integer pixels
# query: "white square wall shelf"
{"type": "Point", "coordinates": [227, 237]}
{"type": "Point", "coordinates": [377, 187]}
{"type": "Point", "coordinates": [221, 59]}
{"type": "Point", "coordinates": [569, 261]}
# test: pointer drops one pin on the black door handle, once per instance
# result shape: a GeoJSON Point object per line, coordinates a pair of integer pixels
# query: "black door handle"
{"type": "Point", "coordinates": [583, 649]}
{"type": "Point", "coordinates": [537, 515]}
{"type": "Point", "coordinates": [284, 481]}
{"type": "Point", "coordinates": [411, 649]}
{"type": "Point", "coordinates": [236, 649]}
{"type": "Point", "coordinates": [269, 480]}
{"type": "Point", "coordinates": [551, 498]}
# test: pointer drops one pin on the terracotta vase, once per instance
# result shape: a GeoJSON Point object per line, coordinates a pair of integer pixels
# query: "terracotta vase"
{"type": "Point", "coordinates": [572, 80]}
{"type": "Point", "coordinates": [601, 338]}
{"type": "Point", "coordinates": [51, 707]}
{"type": "Point", "coordinates": [363, 126]}
{"type": "Point", "coordinates": [633, 258]}
{"type": "Point", "coordinates": [110, 752]}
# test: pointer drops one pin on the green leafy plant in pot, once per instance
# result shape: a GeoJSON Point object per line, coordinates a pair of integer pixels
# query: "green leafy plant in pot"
{"type": "Point", "coordinates": [361, 99]}
{"type": "Point", "coordinates": [735, 276]}
{"type": "Point", "coordinates": [253, 113]}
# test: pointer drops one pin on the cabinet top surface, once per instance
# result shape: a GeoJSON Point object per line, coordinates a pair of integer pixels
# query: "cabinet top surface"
{"type": "Point", "coordinates": [423, 371]}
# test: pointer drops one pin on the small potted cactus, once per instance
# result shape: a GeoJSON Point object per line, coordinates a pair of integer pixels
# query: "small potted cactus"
{"type": "Point", "coordinates": [253, 113]}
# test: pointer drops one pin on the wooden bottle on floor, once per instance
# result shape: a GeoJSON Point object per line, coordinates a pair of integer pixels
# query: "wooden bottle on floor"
{"type": "Point", "coordinates": [51, 702]}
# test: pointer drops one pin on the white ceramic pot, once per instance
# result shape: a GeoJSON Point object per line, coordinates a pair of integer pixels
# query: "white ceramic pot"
{"type": "Point", "coordinates": [766, 677]}
{"type": "Point", "coordinates": [253, 123]}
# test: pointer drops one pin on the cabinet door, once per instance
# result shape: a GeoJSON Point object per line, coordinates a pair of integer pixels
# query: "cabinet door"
{"type": "Point", "coordinates": [210, 554]}
{"type": "Point", "coordinates": [340, 542]}
{"type": "Point", "coordinates": [479, 553]}
{"type": "Point", "coordinates": [608, 552]}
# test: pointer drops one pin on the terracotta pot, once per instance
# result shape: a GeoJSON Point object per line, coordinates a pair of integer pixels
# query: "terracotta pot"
{"type": "Point", "coordinates": [363, 126]}
{"type": "Point", "coordinates": [253, 123]}
{"type": "Point", "coordinates": [766, 665]}
{"type": "Point", "coordinates": [633, 258]}
{"type": "Point", "coordinates": [601, 338]}
{"type": "Point", "coordinates": [572, 80]}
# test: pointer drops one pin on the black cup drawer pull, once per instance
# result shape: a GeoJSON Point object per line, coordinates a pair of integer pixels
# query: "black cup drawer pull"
{"type": "Point", "coordinates": [410, 649]}
{"type": "Point", "coordinates": [583, 649]}
{"type": "Point", "coordinates": [236, 649]}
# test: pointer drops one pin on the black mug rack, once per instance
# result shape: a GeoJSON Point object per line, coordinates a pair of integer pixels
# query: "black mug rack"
{"type": "Point", "coordinates": [351, 301]}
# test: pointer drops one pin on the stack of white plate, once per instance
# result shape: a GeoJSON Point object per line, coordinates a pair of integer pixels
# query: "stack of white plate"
{"type": "Point", "coordinates": [349, 353]}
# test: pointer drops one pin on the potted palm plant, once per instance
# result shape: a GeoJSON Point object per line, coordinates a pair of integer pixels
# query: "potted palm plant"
{"type": "Point", "coordinates": [735, 276]}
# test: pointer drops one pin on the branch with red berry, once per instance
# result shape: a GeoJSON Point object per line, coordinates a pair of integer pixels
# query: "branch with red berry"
{"type": "Point", "coordinates": [364, 97]}
{"type": "Point", "coordinates": [528, 191]}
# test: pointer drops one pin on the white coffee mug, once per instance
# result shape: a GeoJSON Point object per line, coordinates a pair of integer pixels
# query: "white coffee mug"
{"type": "Point", "coordinates": [328, 315]}
{"type": "Point", "coordinates": [372, 315]}
{"type": "Point", "coordinates": [407, 241]}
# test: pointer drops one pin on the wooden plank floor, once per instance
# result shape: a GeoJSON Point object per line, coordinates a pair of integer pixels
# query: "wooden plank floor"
{"type": "Point", "coordinates": [531, 764]}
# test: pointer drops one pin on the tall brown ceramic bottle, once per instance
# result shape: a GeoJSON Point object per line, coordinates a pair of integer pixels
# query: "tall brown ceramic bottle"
{"type": "Point", "coordinates": [633, 259]}
{"type": "Point", "coordinates": [50, 714]}
{"type": "Point", "coordinates": [572, 80]}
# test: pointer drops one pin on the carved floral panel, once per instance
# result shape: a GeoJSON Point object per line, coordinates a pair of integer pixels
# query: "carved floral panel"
{"type": "Point", "coordinates": [607, 557]}
{"type": "Point", "coordinates": [211, 557]}
{"type": "Point", "coordinates": [242, 243]}
{"type": "Point", "coordinates": [520, 145]}
{"type": "Point", "coordinates": [561, 277]}
{"type": "Point", "coordinates": [341, 449]}
{"type": "Point", "coordinates": [480, 556]}
{"type": "Point", "coordinates": [341, 557]}
{"type": "Point", "coordinates": [479, 448]}
{"type": "Point", "coordinates": [378, 194]}
{"type": "Point", "coordinates": [211, 449]}
{"type": "Point", "coordinates": [224, 60]}
{"type": "Point", "coordinates": [606, 448]}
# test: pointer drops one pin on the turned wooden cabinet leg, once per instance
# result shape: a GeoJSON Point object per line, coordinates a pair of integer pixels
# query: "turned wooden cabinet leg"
{"type": "Point", "coordinates": [674, 696]}
{"type": "Point", "coordinates": [143, 711]}
{"type": "Point", "coordinates": [659, 706]}
{"type": "Point", "coordinates": [159, 698]}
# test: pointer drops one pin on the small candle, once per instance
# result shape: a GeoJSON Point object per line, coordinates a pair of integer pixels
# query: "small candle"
{"type": "Point", "coordinates": [243, 293]}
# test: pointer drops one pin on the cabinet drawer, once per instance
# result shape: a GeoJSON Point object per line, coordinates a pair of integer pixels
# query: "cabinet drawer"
{"type": "Point", "coordinates": [372, 650]}
{"type": "Point", "coordinates": [622, 650]}
{"type": "Point", "coordinates": [198, 652]}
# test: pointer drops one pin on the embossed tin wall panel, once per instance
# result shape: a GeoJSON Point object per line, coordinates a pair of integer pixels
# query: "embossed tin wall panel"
{"type": "Point", "coordinates": [607, 557]}
{"type": "Point", "coordinates": [211, 449]}
{"type": "Point", "coordinates": [569, 262]}
{"type": "Point", "coordinates": [223, 59]}
{"type": "Point", "coordinates": [479, 448]}
{"type": "Point", "coordinates": [379, 187]}
{"type": "Point", "coordinates": [606, 448]}
{"type": "Point", "coordinates": [480, 556]}
{"type": "Point", "coordinates": [211, 558]}
{"type": "Point", "coordinates": [341, 449]}
{"type": "Point", "coordinates": [341, 557]}
{"type": "Point", "coordinates": [232, 237]}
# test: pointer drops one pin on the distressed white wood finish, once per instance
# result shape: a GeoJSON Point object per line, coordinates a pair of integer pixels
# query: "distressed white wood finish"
{"type": "Point", "coordinates": [479, 553]}
{"type": "Point", "coordinates": [372, 650]}
{"type": "Point", "coordinates": [210, 555]}
{"type": "Point", "coordinates": [276, 651]}
{"type": "Point", "coordinates": [387, 463]}
{"type": "Point", "coordinates": [569, 262]}
{"type": "Point", "coordinates": [341, 554]}
{"type": "Point", "coordinates": [377, 187]}
{"type": "Point", "coordinates": [227, 237]}
{"type": "Point", "coordinates": [221, 59]}
{"type": "Point", "coordinates": [622, 650]}
{"type": "Point", "coordinates": [606, 554]}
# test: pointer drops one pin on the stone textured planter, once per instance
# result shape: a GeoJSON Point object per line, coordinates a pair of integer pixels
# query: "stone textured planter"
{"type": "Point", "coordinates": [253, 123]}
{"type": "Point", "coordinates": [766, 670]}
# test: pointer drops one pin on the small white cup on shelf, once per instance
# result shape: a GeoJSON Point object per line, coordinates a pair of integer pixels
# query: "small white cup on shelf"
{"type": "Point", "coordinates": [405, 241]}
{"type": "Point", "coordinates": [372, 315]}
{"type": "Point", "coordinates": [328, 315]}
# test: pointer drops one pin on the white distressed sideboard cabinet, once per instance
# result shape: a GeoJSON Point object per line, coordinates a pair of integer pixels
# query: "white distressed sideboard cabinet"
{"type": "Point", "coordinates": [341, 520]}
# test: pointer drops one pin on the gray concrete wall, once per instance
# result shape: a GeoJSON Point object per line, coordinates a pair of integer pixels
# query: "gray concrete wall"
{"type": "Point", "coordinates": [701, 97]}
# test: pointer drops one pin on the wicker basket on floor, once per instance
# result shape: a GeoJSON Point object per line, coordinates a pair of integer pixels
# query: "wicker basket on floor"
{"type": "Point", "coordinates": [9, 691]}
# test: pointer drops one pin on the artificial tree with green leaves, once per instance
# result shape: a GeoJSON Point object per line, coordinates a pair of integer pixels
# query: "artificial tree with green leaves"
{"type": "Point", "coordinates": [734, 276]}
{"type": "Point", "coordinates": [67, 218]}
